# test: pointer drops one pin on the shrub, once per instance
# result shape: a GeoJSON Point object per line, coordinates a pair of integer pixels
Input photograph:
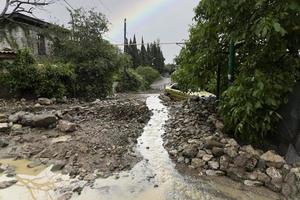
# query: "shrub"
{"type": "Point", "coordinates": [26, 78]}
{"type": "Point", "coordinates": [130, 80]}
{"type": "Point", "coordinates": [248, 107]}
{"type": "Point", "coordinates": [149, 74]}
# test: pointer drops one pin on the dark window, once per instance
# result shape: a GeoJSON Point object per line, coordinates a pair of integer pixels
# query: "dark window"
{"type": "Point", "coordinates": [41, 45]}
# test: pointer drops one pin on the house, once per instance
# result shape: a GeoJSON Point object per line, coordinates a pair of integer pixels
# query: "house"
{"type": "Point", "coordinates": [21, 31]}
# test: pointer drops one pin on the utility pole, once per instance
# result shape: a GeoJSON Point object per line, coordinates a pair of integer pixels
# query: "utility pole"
{"type": "Point", "coordinates": [125, 36]}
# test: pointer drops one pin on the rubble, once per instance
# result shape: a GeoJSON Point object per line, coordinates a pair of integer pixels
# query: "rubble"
{"type": "Point", "coordinates": [195, 134]}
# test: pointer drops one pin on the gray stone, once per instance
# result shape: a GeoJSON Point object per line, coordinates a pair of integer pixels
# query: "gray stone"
{"type": "Point", "coordinates": [213, 165]}
{"type": "Point", "coordinates": [286, 190]}
{"type": "Point", "coordinates": [16, 117]}
{"type": "Point", "coordinates": [235, 173]}
{"type": "Point", "coordinates": [233, 143]}
{"type": "Point", "coordinates": [16, 127]}
{"type": "Point", "coordinates": [251, 164]}
{"type": "Point", "coordinates": [58, 165]}
{"type": "Point", "coordinates": [212, 143]}
{"type": "Point", "coordinates": [252, 183]}
{"type": "Point", "coordinates": [3, 118]}
{"type": "Point", "coordinates": [3, 143]}
{"type": "Point", "coordinates": [216, 151]}
{"type": "Point", "coordinates": [6, 184]}
{"type": "Point", "coordinates": [44, 120]}
{"type": "Point", "coordinates": [224, 162]}
{"type": "Point", "coordinates": [4, 127]}
{"type": "Point", "coordinates": [190, 151]}
{"type": "Point", "coordinates": [231, 152]}
{"type": "Point", "coordinates": [197, 163]}
{"type": "Point", "coordinates": [214, 173]}
{"type": "Point", "coordinates": [66, 126]}
{"type": "Point", "coordinates": [250, 150]}
{"type": "Point", "coordinates": [34, 164]}
{"type": "Point", "coordinates": [44, 101]}
{"type": "Point", "coordinates": [180, 159]}
{"type": "Point", "coordinates": [275, 174]}
{"type": "Point", "coordinates": [207, 157]}
{"type": "Point", "coordinates": [219, 125]}
{"type": "Point", "coordinates": [263, 177]}
{"type": "Point", "coordinates": [272, 159]}
{"type": "Point", "coordinates": [200, 154]}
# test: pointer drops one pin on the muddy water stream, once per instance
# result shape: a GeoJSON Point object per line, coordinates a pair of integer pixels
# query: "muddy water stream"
{"type": "Point", "coordinates": [155, 177]}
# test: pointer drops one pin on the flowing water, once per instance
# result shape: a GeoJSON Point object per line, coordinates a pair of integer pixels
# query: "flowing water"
{"type": "Point", "coordinates": [155, 177]}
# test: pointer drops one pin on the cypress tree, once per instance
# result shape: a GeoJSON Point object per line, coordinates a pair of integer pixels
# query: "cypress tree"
{"type": "Point", "coordinates": [143, 55]}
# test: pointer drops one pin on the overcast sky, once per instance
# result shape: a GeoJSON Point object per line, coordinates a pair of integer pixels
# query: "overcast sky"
{"type": "Point", "coordinates": [166, 20]}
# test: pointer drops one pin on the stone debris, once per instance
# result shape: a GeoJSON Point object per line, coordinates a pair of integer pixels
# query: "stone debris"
{"type": "Point", "coordinates": [66, 126]}
{"type": "Point", "coordinates": [194, 137]}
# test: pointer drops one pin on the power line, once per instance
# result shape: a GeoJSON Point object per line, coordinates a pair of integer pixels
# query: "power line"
{"type": "Point", "coordinates": [69, 4]}
{"type": "Point", "coordinates": [161, 43]}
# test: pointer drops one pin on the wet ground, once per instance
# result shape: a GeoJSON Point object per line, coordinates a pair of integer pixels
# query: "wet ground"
{"type": "Point", "coordinates": [155, 177]}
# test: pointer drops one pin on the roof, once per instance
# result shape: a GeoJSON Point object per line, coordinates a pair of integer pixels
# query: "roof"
{"type": "Point", "coordinates": [18, 17]}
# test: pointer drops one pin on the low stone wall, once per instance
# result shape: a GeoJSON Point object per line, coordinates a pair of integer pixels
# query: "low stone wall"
{"type": "Point", "coordinates": [195, 138]}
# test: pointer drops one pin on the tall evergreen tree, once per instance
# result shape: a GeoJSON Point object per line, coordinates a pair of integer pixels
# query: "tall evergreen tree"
{"type": "Point", "coordinates": [135, 54]}
{"type": "Point", "coordinates": [143, 55]}
{"type": "Point", "coordinates": [149, 55]}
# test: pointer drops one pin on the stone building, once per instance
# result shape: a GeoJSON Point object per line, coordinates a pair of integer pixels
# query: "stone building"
{"type": "Point", "coordinates": [19, 31]}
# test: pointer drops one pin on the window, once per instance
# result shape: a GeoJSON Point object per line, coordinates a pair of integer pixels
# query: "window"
{"type": "Point", "coordinates": [41, 45]}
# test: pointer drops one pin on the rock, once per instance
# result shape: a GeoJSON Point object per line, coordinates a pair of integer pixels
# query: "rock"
{"type": "Point", "coordinates": [66, 126]}
{"type": "Point", "coordinates": [272, 159]}
{"type": "Point", "coordinates": [224, 162]}
{"type": "Point", "coordinates": [6, 184]}
{"type": "Point", "coordinates": [286, 190]}
{"type": "Point", "coordinates": [190, 151]}
{"type": "Point", "coordinates": [58, 165]}
{"type": "Point", "coordinates": [3, 143]}
{"type": "Point", "coordinates": [207, 157]}
{"type": "Point", "coordinates": [90, 177]}
{"type": "Point", "coordinates": [16, 117]}
{"type": "Point", "coordinates": [26, 119]}
{"type": "Point", "coordinates": [250, 150]}
{"type": "Point", "coordinates": [212, 143]}
{"type": "Point", "coordinates": [37, 105]}
{"type": "Point", "coordinates": [4, 127]}
{"type": "Point", "coordinates": [213, 165]}
{"type": "Point", "coordinates": [3, 118]}
{"type": "Point", "coordinates": [233, 143]}
{"type": "Point", "coordinates": [252, 183]}
{"type": "Point", "coordinates": [44, 101]}
{"type": "Point", "coordinates": [274, 174]}
{"type": "Point", "coordinates": [241, 160]}
{"type": "Point", "coordinates": [219, 125]}
{"type": "Point", "coordinates": [262, 177]}
{"type": "Point", "coordinates": [216, 151]}
{"type": "Point", "coordinates": [231, 152]}
{"type": "Point", "coordinates": [44, 120]}
{"type": "Point", "coordinates": [180, 159]}
{"type": "Point", "coordinates": [34, 164]}
{"type": "Point", "coordinates": [197, 163]}
{"type": "Point", "coordinates": [16, 127]}
{"type": "Point", "coordinates": [214, 173]}
{"type": "Point", "coordinates": [251, 164]}
{"type": "Point", "coordinates": [236, 174]}
{"type": "Point", "coordinates": [200, 154]}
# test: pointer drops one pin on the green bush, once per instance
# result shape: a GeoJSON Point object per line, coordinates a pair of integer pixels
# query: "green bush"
{"type": "Point", "coordinates": [130, 80]}
{"type": "Point", "coordinates": [27, 78]}
{"type": "Point", "coordinates": [249, 106]}
{"type": "Point", "coordinates": [149, 74]}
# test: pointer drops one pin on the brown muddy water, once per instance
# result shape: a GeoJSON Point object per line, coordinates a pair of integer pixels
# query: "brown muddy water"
{"type": "Point", "coordinates": [155, 177]}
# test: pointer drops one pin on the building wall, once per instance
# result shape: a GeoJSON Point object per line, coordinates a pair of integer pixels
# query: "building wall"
{"type": "Point", "coordinates": [15, 36]}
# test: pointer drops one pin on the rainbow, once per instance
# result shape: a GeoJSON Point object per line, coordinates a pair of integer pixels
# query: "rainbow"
{"type": "Point", "coordinates": [136, 15]}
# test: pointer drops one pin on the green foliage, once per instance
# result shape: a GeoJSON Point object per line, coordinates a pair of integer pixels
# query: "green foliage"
{"type": "Point", "coordinates": [249, 106]}
{"type": "Point", "coordinates": [266, 35]}
{"type": "Point", "coordinates": [95, 59]}
{"type": "Point", "coordinates": [130, 80]}
{"type": "Point", "coordinates": [25, 77]}
{"type": "Point", "coordinates": [148, 74]}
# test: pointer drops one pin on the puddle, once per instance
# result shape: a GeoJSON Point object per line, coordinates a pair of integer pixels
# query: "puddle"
{"type": "Point", "coordinates": [155, 177]}
{"type": "Point", "coordinates": [21, 167]}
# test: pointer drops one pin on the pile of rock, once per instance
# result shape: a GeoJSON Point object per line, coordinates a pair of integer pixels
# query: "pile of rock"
{"type": "Point", "coordinates": [194, 138]}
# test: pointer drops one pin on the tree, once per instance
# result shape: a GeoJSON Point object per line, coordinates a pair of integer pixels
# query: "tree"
{"type": "Point", "coordinates": [22, 6]}
{"type": "Point", "coordinates": [143, 55]}
{"type": "Point", "coordinates": [95, 59]}
{"type": "Point", "coordinates": [267, 59]}
{"type": "Point", "coordinates": [135, 53]}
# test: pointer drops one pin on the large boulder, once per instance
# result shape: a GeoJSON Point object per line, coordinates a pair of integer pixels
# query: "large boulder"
{"type": "Point", "coordinates": [272, 159]}
{"type": "Point", "coordinates": [44, 120]}
{"type": "Point", "coordinates": [45, 101]}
